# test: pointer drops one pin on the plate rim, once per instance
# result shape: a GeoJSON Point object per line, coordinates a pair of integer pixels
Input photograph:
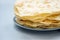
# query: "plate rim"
{"type": "Point", "coordinates": [34, 28]}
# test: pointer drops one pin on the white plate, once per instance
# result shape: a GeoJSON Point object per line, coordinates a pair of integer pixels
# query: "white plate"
{"type": "Point", "coordinates": [34, 29]}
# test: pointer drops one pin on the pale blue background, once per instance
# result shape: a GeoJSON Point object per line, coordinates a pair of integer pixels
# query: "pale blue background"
{"type": "Point", "coordinates": [8, 31]}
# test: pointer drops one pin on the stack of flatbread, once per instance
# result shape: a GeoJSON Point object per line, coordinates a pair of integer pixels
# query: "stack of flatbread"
{"type": "Point", "coordinates": [38, 13]}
